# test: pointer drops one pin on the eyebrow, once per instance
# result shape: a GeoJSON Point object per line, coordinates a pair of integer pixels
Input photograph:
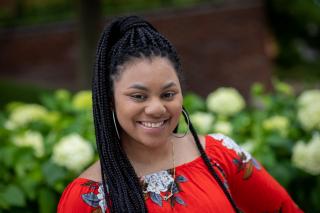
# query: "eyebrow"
{"type": "Point", "coordinates": [142, 87]}
{"type": "Point", "coordinates": [138, 86]}
{"type": "Point", "coordinates": [168, 85]}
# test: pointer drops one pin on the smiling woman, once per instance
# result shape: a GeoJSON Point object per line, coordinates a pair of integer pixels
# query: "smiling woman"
{"type": "Point", "coordinates": [145, 166]}
{"type": "Point", "coordinates": [148, 108]}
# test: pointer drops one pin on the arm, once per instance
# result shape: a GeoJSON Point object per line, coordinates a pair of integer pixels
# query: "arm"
{"type": "Point", "coordinates": [82, 195]}
{"type": "Point", "coordinates": [252, 188]}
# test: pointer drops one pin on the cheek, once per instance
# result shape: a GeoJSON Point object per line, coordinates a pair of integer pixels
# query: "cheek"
{"type": "Point", "coordinates": [124, 112]}
{"type": "Point", "coordinates": [176, 108]}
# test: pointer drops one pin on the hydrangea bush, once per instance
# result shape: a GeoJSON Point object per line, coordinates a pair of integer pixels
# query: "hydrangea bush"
{"type": "Point", "coordinates": [44, 146]}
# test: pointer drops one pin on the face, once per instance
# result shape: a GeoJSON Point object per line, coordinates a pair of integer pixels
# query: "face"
{"type": "Point", "coordinates": [148, 101]}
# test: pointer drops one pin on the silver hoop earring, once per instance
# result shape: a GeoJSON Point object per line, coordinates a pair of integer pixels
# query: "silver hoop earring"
{"type": "Point", "coordinates": [186, 116]}
{"type": "Point", "coordinates": [115, 124]}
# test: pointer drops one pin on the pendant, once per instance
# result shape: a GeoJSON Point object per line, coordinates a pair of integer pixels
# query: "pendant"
{"type": "Point", "coordinates": [168, 196]}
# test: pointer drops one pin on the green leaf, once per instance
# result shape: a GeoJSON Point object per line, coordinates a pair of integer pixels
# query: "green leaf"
{"type": "Point", "coordinates": [47, 201]}
{"type": "Point", "coordinates": [7, 155]}
{"type": "Point", "coordinates": [193, 102]}
{"type": "Point", "coordinates": [53, 173]}
{"type": "Point", "coordinates": [13, 196]}
{"type": "Point", "coordinates": [29, 184]}
{"type": "Point", "coordinates": [25, 161]}
{"type": "Point", "coordinates": [3, 203]}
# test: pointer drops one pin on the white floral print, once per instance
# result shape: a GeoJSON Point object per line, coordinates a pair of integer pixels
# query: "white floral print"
{"type": "Point", "coordinates": [158, 182]}
{"type": "Point", "coordinates": [230, 144]}
{"type": "Point", "coordinates": [101, 197]}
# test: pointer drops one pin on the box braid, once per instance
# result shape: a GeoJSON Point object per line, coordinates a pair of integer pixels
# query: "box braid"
{"type": "Point", "coordinates": [206, 159]}
{"type": "Point", "coordinates": [121, 41]}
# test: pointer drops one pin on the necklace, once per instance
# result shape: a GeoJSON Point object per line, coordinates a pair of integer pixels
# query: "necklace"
{"type": "Point", "coordinates": [162, 181]}
{"type": "Point", "coordinates": [168, 196]}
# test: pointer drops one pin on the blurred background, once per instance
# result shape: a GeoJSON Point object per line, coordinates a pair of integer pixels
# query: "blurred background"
{"type": "Point", "coordinates": [259, 58]}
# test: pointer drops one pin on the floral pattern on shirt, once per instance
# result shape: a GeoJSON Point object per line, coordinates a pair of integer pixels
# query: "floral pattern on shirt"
{"type": "Point", "coordinates": [97, 201]}
{"type": "Point", "coordinates": [157, 186]}
{"type": "Point", "coordinates": [244, 161]}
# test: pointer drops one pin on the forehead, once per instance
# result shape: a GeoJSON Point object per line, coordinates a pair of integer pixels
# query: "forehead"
{"type": "Point", "coordinates": [147, 71]}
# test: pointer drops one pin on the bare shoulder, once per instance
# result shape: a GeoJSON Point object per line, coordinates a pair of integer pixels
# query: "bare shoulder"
{"type": "Point", "coordinates": [188, 141]}
{"type": "Point", "coordinates": [93, 172]}
{"type": "Point", "coordinates": [202, 139]}
{"type": "Point", "coordinates": [187, 151]}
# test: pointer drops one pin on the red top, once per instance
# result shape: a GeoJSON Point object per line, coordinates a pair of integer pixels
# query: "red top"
{"type": "Point", "coordinates": [194, 188]}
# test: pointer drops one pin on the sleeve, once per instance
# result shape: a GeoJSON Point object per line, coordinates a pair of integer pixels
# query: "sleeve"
{"type": "Point", "coordinates": [82, 196]}
{"type": "Point", "coordinates": [250, 185]}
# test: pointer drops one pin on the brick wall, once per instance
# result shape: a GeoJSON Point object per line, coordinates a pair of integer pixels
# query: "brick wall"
{"type": "Point", "coordinates": [219, 46]}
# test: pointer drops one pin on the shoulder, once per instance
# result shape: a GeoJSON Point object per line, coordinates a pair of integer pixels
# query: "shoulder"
{"type": "Point", "coordinates": [81, 195]}
{"type": "Point", "coordinates": [93, 172]}
{"type": "Point", "coordinates": [85, 193]}
{"type": "Point", "coordinates": [221, 140]}
{"type": "Point", "coordinates": [220, 143]}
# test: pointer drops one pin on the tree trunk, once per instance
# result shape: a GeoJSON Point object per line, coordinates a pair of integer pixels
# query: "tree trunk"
{"type": "Point", "coordinates": [89, 22]}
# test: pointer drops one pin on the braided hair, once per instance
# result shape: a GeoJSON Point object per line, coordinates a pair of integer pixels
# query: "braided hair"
{"type": "Point", "coordinates": [124, 39]}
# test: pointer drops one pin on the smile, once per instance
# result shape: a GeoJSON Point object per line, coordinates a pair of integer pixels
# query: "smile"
{"type": "Point", "coordinates": [152, 124]}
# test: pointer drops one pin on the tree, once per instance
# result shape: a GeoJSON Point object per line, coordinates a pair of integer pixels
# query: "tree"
{"type": "Point", "coordinates": [89, 22]}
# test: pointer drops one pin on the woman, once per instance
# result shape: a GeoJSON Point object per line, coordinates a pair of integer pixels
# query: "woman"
{"type": "Point", "coordinates": [144, 164]}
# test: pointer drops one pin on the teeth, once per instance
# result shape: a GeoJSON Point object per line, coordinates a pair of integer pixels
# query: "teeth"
{"type": "Point", "coordinates": [152, 125]}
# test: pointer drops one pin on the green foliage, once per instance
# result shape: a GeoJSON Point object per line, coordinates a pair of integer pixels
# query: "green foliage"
{"type": "Point", "coordinates": [25, 93]}
{"type": "Point", "coordinates": [32, 175]}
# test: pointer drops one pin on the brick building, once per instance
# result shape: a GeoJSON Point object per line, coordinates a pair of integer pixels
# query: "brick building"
{"type": "Point", "coordinates": [219, 46]}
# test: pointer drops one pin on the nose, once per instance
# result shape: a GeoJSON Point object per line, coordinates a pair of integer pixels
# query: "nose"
{"type": "Point", "coordinates": [155, 108]}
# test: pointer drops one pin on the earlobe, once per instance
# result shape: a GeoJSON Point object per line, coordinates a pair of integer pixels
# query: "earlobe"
{"type": "Point", "coordinates": [112, 103]}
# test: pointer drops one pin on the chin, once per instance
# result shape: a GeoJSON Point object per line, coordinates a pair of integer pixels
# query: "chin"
{"type": "Point", "coordinates": [153, 142]}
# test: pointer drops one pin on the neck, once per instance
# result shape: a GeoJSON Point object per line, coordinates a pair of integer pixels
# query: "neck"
{"type": "Point", "coordinates": [146, 159]}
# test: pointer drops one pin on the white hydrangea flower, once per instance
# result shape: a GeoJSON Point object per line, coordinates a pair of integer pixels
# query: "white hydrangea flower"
{"type": "Point", "coordinates": [202, 121]}
{"type": "Point", "coordinates": [278, 123]}
{"type": "Point", "coordinates": [308, 97]}
{"type": "Point", "coordinates": [230, 144]}
{"type": "Point", "coordinates": [158, 182]}
{"type": "Point", "coordinates": [223, 127]}
{"type": "Point", "coordinates": [225, 101]}
{"type": "Point", "coordinates": [309, 116]}
{"type": "Point", "coordinates": [309, 109]}
{"type": "Point", "coordinates": [30, 139]}
{"type": "Point", "coordinates": [82, 100]}
{"type": "Point", "coordinates": [25, 114]}
{"type": "Point", "coordinates": [306, 155]}
{"type": "Point", "coordinates": [73, 152]}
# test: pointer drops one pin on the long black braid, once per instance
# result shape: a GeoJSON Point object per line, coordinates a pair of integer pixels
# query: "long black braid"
{"type": "Point", "coordinates": [206, 159]}
{"type": "Point", "coordinates": [124, 39]}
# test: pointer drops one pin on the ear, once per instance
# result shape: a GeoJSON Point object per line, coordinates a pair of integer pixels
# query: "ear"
{"type": "Point", "coordinates": [112, 104]}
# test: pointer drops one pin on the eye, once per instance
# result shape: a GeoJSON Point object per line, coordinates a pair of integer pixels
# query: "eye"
{"type": "Point", "coordinates": [168, 95]}
{"type": "Point", "coordinates": [138, 97]}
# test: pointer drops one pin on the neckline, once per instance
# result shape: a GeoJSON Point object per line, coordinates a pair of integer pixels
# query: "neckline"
{"type": "Point", "coordinates": [187, 164]}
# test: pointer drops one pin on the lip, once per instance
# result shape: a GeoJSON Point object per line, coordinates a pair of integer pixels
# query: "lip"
{"type": "Point", "coordinates": [155, 129]}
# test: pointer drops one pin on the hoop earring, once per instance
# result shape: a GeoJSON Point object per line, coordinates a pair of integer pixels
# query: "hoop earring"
{"type": "Point", "coordinates": [186, 117]}
{"type": "Point", "coordinates": [115, 124]}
